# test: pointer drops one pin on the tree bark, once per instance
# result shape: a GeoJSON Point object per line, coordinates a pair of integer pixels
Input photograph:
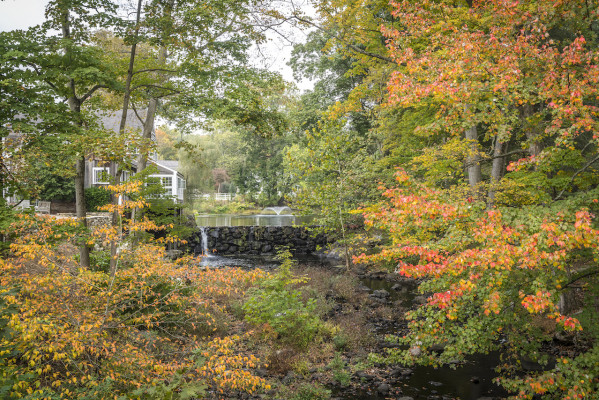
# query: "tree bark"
{"type": "Point", "coordinates": [473, 160]}
{"type": "Point", "coordinates": [496, 171]}
{"type": "Point", "coordinates": [530, 130]}
{"type": "Point", "coordinates": [75, 107]}
{"type": "Point", "coordinates": [133, 52]}
{"type": "Point", "coordinates": [117, 171]}
{"type": "Point", "coordinates": [84, 260]}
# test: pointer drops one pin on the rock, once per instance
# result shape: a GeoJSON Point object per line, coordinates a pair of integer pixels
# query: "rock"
{"type": "Point", "coordinates": [475, 379]}
{"type": "Point", "coordinates": [382, 293]}
{"type": "Point", "coordinates": [406, 398]}
{"type": "Point", "coordinates": [288, 378]}
{"type": "Point", "coordinates": [377, 299]}
{"type": "Point", "coordinates": [433, 383]}
{"type": "Point", "coordinates": [317, 376]}
{"type": "Point", "coordinates": [419, 300]}
{"type": "Point", "coordinates": [407, 372]}
{"type": "Point", "coordinates": [396, 287]}
{"type": "Point", "coordinates": [415, 351]}
{"type": "Point", "coordinates": [437, 348]}
{"type": "Point", "coordinates": [564, 337]}
{"type": "Point", "coordinates": [364, 375]}
{"type": "Point", "coordinates": [363, 288]}
{"type": "Point", "coordinates": [383, 388]}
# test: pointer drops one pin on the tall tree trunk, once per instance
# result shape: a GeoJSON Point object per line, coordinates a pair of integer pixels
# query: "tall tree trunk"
{"type": "Point", "coordinates": [530, 129]}
{"type": "Point", "coordinates": [142, 159]}
{"type": "Point", "coordinates": [132, 53]}
{"type": "Point", "coordinates": [496, 171]}
{"type": "Point", "coordinates": [473, 160]}
{"type": "Point", "coordinates": [84, 260]}
{"type": "Point", "coordinates": [123, 124]}
{"type": "Point", "coordinates": [75, 107]}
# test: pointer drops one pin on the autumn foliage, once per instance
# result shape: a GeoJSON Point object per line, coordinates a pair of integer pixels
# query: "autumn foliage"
{"type": "Point", "coordinates": [490, 280]}
{"type": "Point", "coordinates": [136, 331]}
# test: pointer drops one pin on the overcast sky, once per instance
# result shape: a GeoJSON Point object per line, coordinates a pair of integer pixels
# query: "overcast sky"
{"type": "Point", "coordinates": [21, 14]}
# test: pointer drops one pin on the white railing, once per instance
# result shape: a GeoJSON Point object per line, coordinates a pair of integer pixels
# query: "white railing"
{"type": "Point", "coordinates": [196, 195]}
{"type": "Point", "coordinates": [222, 196]}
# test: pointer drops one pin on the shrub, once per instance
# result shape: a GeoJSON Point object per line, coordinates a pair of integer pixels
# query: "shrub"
{"type": "Point", "coordinates": [311, 392]}
{"type": "Point", "coordinates": [280, 306]}
{"type": "Point", "coordinates": [96, 197]}
{"type": "Point", "coordinates": [339, 369]}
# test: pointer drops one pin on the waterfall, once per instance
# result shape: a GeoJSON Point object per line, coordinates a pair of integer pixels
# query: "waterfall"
{"type": "Point", "coordinates": [204, 241]}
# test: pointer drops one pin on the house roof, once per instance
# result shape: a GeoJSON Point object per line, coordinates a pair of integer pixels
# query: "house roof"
{"type": "Point", "coordinates": [168, 165]}
{"type": "Point", "coordinates": [111, 120]}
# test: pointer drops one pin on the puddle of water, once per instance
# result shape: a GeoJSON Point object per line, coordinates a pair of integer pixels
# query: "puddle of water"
{"type": "Point", "coordinates": [405, 293]}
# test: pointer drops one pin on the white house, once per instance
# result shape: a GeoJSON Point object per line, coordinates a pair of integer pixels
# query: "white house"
{"type": "Point", "coordinates": [97, 171]}
{"type": "Point", "coordinates": [170, 178]}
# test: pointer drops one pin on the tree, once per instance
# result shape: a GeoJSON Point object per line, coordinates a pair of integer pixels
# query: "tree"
{"type": "Point", "coordinates": [498, 280]}
{"type": "Point", "coordinates": [506, 70]}
{"type": "Point", "coordinates": [63, 64]}
{"type": "Point", "coordinates": [334, 175]}
{"type": "Point", "coordinates": [522, 75]}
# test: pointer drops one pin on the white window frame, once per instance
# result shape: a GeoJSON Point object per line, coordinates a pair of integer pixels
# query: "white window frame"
{"type": "Point", "coordinates": [182, 183]}
{"type": "Point", "coordinates": [163, 179]}
{"type": "Point", "coordinates": [97, 171]}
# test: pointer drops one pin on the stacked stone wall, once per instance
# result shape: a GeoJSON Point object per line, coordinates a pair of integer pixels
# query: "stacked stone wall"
{"type": "Point", "coordinates": [255, 240]}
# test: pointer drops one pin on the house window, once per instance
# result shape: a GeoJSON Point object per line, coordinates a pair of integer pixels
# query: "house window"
{"type": "Point", "coordinates": [101, 176]}
{"type": "Point", "coordinates": [181, 183]}
{"type": "Point", "coordinates": [167, 182]}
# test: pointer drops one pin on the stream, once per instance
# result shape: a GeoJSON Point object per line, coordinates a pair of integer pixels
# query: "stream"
{"type": "Point", "coordinates": [470, 381]}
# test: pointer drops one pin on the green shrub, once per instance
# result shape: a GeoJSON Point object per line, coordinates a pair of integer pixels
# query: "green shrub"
{"type": "Point", "coordinates": [96, 197]}
{"type": "Point", "coordinates": [311, 392]}
{"type": "Point", "coordinates": [340, 373]}
{"type": "Point", "coordinates": [279, 305]}
{"type": "Point", "coordinates": [340, 341]}
{"type": "Point", "coordinates": [100, 261]}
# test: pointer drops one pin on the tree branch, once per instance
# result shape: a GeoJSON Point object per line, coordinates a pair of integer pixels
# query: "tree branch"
{"type": "Point", "coordinates": [588, 164]}
{"type": "Point", "coordinates": [594, 272]}
{"type": "Point", "coordinates": [91, 91]}
{"type": "Point", "coordinates": [156, 87]}
{"type": "Point", "coordinates": [154, 70]}
{"type": "Point", "coordinates": [345, 42]}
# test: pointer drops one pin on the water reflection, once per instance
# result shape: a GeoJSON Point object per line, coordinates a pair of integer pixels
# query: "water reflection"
{"type": "Point", "coordinates": [251, 220]}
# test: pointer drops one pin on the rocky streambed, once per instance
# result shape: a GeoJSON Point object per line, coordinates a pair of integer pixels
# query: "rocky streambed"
{"type": "Point", "coordinates": [369, 310]}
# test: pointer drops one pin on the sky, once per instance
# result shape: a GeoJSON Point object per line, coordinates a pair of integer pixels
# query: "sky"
{"type": "Point", "coordinates": [21, 14]}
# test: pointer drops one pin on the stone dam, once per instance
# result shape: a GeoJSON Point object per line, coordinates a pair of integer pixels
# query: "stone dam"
{"type": "Point", "coordinates": [254, 240]}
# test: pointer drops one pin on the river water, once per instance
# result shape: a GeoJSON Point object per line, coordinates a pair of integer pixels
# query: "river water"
{"type": "Point", "coordinates": [251, 220]}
